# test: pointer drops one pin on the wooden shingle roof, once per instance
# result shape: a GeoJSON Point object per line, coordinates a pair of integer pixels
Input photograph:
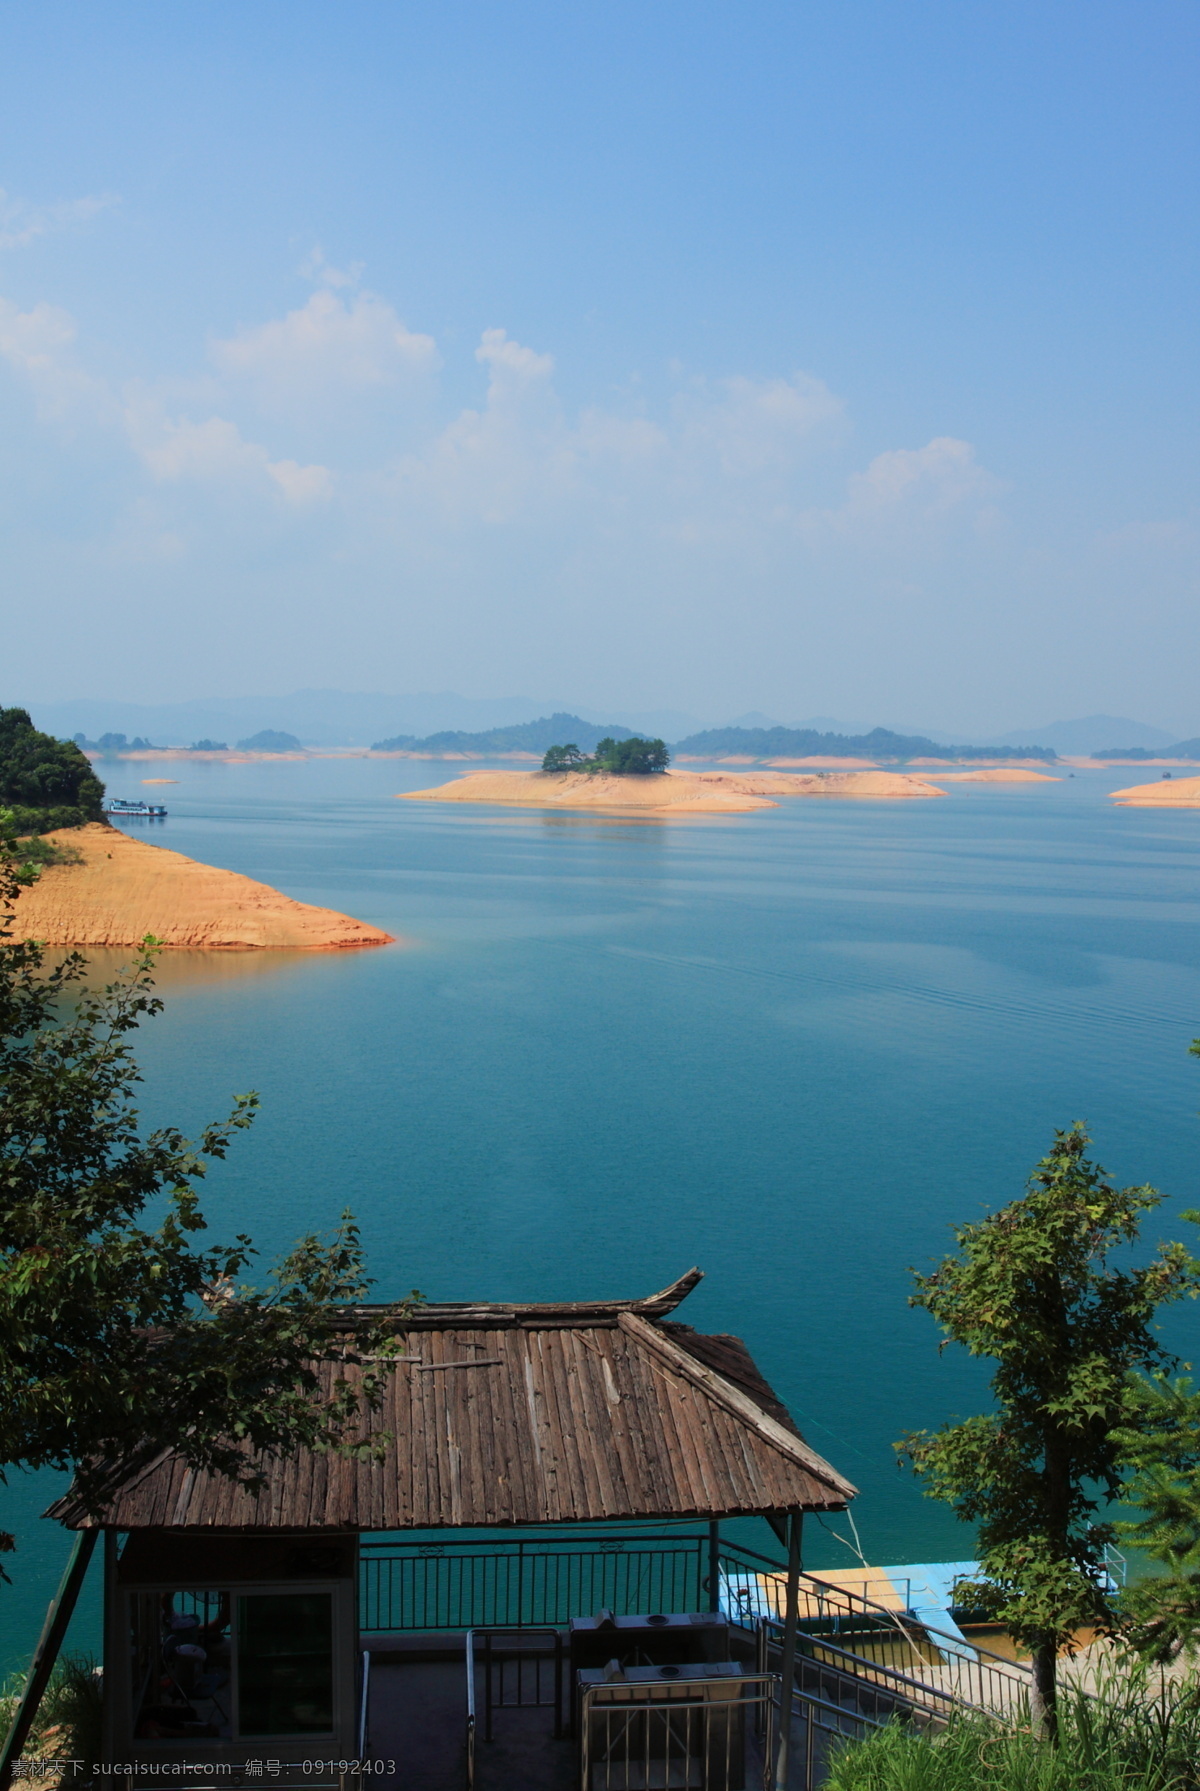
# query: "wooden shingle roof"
{"type": "Point", "coordinates": [526, 1415]}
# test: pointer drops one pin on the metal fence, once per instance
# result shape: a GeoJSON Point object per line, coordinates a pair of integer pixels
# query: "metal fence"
{"type": "Point", "coordinates": [521, 1584]}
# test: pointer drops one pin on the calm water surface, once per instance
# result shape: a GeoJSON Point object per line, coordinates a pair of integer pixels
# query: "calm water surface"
{"type": "Point", "coordinates": [793, 1047]}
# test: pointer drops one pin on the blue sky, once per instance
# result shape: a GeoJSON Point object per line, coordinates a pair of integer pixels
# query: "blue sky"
{"type": "Point", "coordinates": [830, 359]}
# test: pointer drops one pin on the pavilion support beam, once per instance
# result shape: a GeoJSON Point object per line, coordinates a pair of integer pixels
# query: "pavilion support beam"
{"type": "Point", "coordinates": [53, 1631]}
{"type": "Point", "coordinates": [787, 1670]}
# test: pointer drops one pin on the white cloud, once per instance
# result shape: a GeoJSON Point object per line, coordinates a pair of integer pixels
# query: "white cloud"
{"type": "Point", "coordinates": [176, 448]}
{"type": "Point", "coordinates": [330, 348]}
{"type": "Point", "coordinates": [38, 345]}
{"type": "Point", "coordinates": [321, 272]}
{"type": "Point", "coordinates": [22, 222]}
{"type": "Point", "coordinates": [917, 490]}
{"type": "Point", "coordinates": [748, 426]}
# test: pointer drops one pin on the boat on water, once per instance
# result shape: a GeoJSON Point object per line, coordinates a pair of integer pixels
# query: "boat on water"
{"type": "Point", "coordinates": [117, 806]}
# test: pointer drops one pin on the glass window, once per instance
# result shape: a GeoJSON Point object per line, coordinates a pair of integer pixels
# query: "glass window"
{"type": "Point", "coordinates": [179, 1659]}
{"type": "Point", "coordinates": [285, 1663]}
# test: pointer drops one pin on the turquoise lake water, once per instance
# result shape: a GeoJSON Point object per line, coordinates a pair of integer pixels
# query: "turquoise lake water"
{"type": "Point", "coordinates": [792, 1046]}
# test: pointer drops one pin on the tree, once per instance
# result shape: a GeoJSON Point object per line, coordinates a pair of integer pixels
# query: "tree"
{"type": "Point", "coordinates": [563, 758]}
{"type": "Point", "coordinates": [118, 1337]}
{"type": "Point", "coordinates": [45, 783]}
{"type": "Point", "coordinates": [1033, 1289]}
{"type": "Point", "coordinates": [635, 757]}
{"type": "Point", "coordinates": [1162, 1447]}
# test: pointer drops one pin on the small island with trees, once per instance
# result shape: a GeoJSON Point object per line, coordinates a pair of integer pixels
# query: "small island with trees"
{"type": "Point", "coordinates": [635, 757]}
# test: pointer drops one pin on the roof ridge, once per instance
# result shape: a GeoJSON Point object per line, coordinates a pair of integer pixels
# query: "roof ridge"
{"type": "Point", "coordinates": [512, 1312]}
{"type": "Point", "coordinates": [737, 1403]}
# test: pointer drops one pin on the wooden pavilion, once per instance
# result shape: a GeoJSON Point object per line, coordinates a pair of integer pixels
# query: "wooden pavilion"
{"type": "Point", "coordinates": [502, 1417]}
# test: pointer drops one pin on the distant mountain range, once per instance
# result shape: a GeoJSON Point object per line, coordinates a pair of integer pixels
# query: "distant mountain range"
{"type": "Point", "coordinates": [806, 743]}
{"type": "Point", "coordinates": [1182, 749]}
{"type": "Point", "coordinates": [529, 736]}
{"type": "Point", "coordinates": [338, 718]}
{"type": "Point", "coordinates": [327, 718]}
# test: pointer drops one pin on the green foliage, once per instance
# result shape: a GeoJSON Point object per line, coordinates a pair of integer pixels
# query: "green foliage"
{"type": "Point", "coordinates": [1032, 1288]}
{"type": "Point", "coordinates": [564, 758]}
{"type": "Point", "coordinates": [68, 1722]}
{"type": "Point", "coordinates": [46, 783]}
{"type": "Point", "coordinates": [634, 757]}
{"type": "Point", "coordinates": [631, 758]}
{"type": "Point", "coordinates": [1132, 1736]}
{"type": "Point", "coordinates": [120, 1337]}
{"type": "Point", "coordinates": [270, 740]}
{"type": "Point", "coordinates": [1162, 1446]}
{"type": "Point", "coordinates": [880, 743]}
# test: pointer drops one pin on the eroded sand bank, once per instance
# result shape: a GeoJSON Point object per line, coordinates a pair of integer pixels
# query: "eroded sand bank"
{"type": "Point", "coordinates": [123, 889]}
{"type": "Point", "coordinates": [1168, 792]}
{"type": "Point", "coordinates": [1009, 775]}
{"type": "Point", "coordinates": [673, 793]}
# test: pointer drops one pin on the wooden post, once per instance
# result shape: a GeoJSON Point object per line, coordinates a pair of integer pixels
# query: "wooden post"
{"type": "Point", "coordinates": [46, 1653]}
{"type": "Point", "coordinates": [791, 1619]}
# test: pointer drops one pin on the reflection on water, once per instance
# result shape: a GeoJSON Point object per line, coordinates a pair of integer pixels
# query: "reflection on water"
{"type": "Point", "coordinates": [178, 971]}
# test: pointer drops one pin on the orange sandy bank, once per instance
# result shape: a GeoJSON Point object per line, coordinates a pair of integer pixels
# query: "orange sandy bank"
{"type": "Point", "coordinates": [1168, 792]}
{"type": "Point", "coordinates": [674, 793]}
{"type": "Point", "coordinates": [1009, 776]}
{"type": "Point", "coordinates": [124, 889]}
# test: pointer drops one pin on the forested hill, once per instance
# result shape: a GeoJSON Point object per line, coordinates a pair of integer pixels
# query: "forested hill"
{"type": "Point", "coordinates": [46, 783]}
{"type": "Point", "coordinates": [527, 736]}
{"type": "Point", "coordinates": [1183, 749]}
{"type": "Point", "coordinates": [806, 743]}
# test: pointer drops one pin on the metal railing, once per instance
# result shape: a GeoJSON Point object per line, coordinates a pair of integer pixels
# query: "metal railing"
{"type": "Point", "coordinates": [364, 1704]}
{"type": "Point", "coordinates": [528, 1583]}
{"type": "Point", "coordinates": [699, 1732]}
{"type": "Point", "coordinates": [931, 1671]}
{"type": "Point", "coordinates": [513, 1679]}
{"type": "Point", "coordinates": [818, 1725]}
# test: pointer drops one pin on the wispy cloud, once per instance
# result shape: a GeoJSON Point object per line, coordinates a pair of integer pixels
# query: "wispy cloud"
{"type": "Point", "coordinates": [22, 221]}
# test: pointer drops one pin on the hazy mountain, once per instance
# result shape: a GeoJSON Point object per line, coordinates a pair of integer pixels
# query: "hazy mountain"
{"type": "Point", "coordinates": [1091, 733]}
{"type": "Point", "coordinates": [316, 717]}
{"type": "Point", "coordinates": [528, 736]}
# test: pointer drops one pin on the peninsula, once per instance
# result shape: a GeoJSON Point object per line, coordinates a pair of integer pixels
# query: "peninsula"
{"type": "Point", "coordinates": [1168, 792]}
{"type": "Point", "coordinates": [113, 890]}
{"type": "Point", "coordinates": [668, 792]}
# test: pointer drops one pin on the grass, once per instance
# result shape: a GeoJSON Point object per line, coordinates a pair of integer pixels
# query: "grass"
{"type": "Point", "coordinates": [67, 1725]}
{"type": "Point", "coordinates": [1129, 1737]}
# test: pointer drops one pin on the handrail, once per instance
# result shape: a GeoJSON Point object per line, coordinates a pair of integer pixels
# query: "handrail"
{"type": "Point", "coordinates": [363, 1706]}
{"type": "Point", "coordinates": [470, 1710]}
{"type": "Point", "coordinates": [871, 1608]}
{"type": "Point", "coordinates": [889, 1677]}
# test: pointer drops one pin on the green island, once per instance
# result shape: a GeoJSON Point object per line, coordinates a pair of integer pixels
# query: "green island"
{"type": "Point", "coordinates": [632, 757]}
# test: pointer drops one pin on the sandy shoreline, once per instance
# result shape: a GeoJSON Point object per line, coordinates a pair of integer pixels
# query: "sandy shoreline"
{"type": "Point", "coordinates": [1008, 775]}
{"type": "Point", "coordinates": [1168, 792]}
{"type": "Point", "coordinates": [672, 793]}
{"type": "Point", "coordinates": [125, 888]}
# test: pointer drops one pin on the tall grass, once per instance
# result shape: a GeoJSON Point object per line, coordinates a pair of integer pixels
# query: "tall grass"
{"type": "Point", "coordinates": [67, 1725]}
{"type": "Point", "coordinates": [1131, 1736]}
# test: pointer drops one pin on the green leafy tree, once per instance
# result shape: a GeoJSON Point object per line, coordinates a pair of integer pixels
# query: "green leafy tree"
{"type": "Point", "coordinates": [45, 783]}
{"type": "Point", "coordinates": [1033, 1288]}
{"type": "Point", "coordinates": [1162, 1447]}
{"type": "Point", "coordinates": [121, 1336]}
{"type": "Point", "coordinates": [635, 757]}
{"type": "Point", "coordinates": [563, 758]}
